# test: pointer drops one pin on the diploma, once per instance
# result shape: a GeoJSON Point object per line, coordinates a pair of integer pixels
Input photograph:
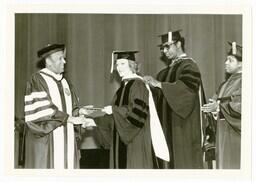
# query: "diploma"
{"type": "Point", "coordinates": [95, 108]}
{"type": "Point", "coordinates": [95, 112]}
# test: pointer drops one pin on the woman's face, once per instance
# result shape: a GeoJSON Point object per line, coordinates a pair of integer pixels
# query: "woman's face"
{"type": "Point", "coordinates": [123, 68]}
{"type": "Point", "coordinates": [232, 65]}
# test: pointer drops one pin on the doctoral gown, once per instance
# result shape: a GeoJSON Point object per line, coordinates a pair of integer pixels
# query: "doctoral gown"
{"type": "Point", "coordinates": [39, 143]}
{"type": "Point", "coordinates": [127, 130]}
{"type": "Point", "coordinates": [228, 136]}
{"type": "Point", "coordinates": [178, 107]}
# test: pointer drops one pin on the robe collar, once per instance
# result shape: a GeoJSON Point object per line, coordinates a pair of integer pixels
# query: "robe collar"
{"type": "Point", "coordinates": [131, 77]}
{"type": "Point", "coordinates": [157, 136]}
{"type": "Point", "coordinates": [235, 75]}
{"type": "Point", "coordinates": [58, 77]}
{"type": "Point", "coordinates": [174, 61]}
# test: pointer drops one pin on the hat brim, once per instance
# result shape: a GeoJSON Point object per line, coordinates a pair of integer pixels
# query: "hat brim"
{"type": "Point", "coordinates": [238, 57]}
{"type": "Point", "coordinates": [166, 43]}
{"type": "Point", "coordinates": [51, 52]}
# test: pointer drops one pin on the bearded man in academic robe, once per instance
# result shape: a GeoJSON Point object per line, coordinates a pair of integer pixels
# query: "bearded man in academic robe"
{"type": "Point", "coordinates": [176, 92]}
{"type": "Point", "coordinates": [51, 114]}
{"type": "Point", "coordinates": [225, 106]}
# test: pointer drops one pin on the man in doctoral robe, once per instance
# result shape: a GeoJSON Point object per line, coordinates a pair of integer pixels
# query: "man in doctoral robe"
{"type": "Point", "coordinates": [176, 91]}
{"type": "Point", "coordinates": [51, 110]}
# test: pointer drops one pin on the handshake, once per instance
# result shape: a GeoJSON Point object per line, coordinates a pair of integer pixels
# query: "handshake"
{"type": "Point", "coordinates": [90, 110]}
{"type": "Point", "coordinates": [81, 120]}
{"type": "Point", "coordinates": [86, 113]}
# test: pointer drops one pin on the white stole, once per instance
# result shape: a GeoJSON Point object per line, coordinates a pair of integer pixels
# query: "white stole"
{"type": "Point", "coordinates": [157, 135]}
{"type": "Point", "coordinates": [58, 133]}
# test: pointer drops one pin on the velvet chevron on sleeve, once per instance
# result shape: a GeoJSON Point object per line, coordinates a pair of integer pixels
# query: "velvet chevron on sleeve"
{"type": "Point", "coordinates": [130, 145]}
{"type": "Point", "coordinates": [50, 142]}
{"type": "Point", "coordinates": [181, 90]}
{"type": "Point", "coordinates": [228, 137]}
{"type": "Point", "coordinates": [41, 115]}
{"type": "Point", "coordinates": [178, 107]}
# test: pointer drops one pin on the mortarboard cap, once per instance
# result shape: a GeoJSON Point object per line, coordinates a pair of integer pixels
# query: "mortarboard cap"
{"type": "Point", "coordinates": [235, 50]}
{"type": "Point", "coordinates": [130, 55]}
{"type": "Point", "coordinates": [49, 49]}
{"type": "Point", "coordinates": [170, 37]}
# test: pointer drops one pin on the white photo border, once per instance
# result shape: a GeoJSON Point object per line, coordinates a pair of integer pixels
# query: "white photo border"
{"type": "Point", "coordinates": [127, 175]}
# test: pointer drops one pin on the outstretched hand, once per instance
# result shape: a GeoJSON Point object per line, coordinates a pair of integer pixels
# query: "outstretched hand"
{"type": "Point", "coordinates": [89, 123]}
{"type": "Point", "coordinates": [86, 110]}
{"type": "Point", "coordinates": [81, 120]}
{"type": "Point", "coordinates": [107, 110]}
{"type": "Point", "coordinates": [76, 120]}
{"type": "Point", "coordinates": [210, 107]}
{"type": "Point", "coordinates": [152, 82]}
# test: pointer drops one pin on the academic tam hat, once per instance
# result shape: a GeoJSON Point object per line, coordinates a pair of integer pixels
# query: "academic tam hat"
{"type": "Point", "coordinates": [170, 37]}
{"type": "Point", "coordinates": [130, 55]}
{"type": "Point", "coordinates": [235, 50]}
{"type": "Point", "coordinates": [49, 49]}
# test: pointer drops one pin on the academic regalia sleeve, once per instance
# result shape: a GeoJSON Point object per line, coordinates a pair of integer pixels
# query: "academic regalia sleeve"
{"type": "Point", "coordinates": [235, 104]}
{"type": "Point", "coordinates": [75, 100]}
{"type": "Point", "coordinates": [104, 130]}
{"type": "Point", "coordinates": [182, 93]}
{"type": "Point", "coordinates": [130, 119]}
{"type": "Point", "coordinates": [41, 115]}
{"type": "Point", "coordinates": [75, 111]}
{"type": "Point", "coordinates": [232, 110]}
{"type": "Point", "coordinates": [156, 92]}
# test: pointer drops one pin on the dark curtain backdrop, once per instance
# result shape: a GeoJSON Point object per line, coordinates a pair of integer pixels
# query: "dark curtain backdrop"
{"type": "Point", "coordinates": [91, 38]}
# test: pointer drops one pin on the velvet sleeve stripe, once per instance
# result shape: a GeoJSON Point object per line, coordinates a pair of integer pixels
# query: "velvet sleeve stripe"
{"type": "Point", "coordinates": [41, 109]}
{"type": "Point", "coordinates": [234, 113]}
{"type": "Point", "coordinates": [139, 113]}
{"type": "Point", "coordinates": [35, 100]}
{"type": "Point", "coordinates": [37, 105]}
{"type": "Point", "coordinates": [141, 103]}
{"type": "Point", "coordinates": [35, 95]}
{"type": "Point", "coordinates": [191, 72]}
{"type": "Point", "coordinates": [40, 114]}
{"type": "Point", "coordinates": [135, 122]}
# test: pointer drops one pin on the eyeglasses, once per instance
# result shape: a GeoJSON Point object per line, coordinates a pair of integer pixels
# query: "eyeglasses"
{"type": "Point", "coordinates": [166, 46]}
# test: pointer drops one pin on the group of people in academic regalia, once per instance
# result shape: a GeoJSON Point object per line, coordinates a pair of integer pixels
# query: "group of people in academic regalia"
{"type": "Point", "coordinates": [152, 123]}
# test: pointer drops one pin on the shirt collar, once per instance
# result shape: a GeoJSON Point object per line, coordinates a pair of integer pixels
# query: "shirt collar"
{"type": "Point", "coordinates": [182, 55]}
{"type": "Point", "coordinates": [54, 75]}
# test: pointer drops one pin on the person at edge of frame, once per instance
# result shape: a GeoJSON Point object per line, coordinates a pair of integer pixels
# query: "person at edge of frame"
{"type": "Point", "coordinates": [52, 114]}
{"type": "Point", "coordinates": [225, 107]}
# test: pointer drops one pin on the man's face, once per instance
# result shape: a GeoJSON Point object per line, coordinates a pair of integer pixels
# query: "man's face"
{"type": "Point", "coordinates": [57, 62]}
{"type": "Point", "coordinates": [170, 50]}
{"type": "Point", "coordinates": [232, 65]}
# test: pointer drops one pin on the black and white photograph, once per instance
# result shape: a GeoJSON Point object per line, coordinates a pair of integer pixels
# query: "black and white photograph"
{"type": "Point", "coordinates": [112, 90]}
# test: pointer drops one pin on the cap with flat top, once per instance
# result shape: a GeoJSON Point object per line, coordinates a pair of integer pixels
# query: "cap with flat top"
{"type": "Point", "coordinates": [170, 37]}
{"type": "Point", "coordinates": [130, 55]}
{"type": "Point", "coordinates": [49, 49]}
{"type": "Point", "coordinates": [235, 50]}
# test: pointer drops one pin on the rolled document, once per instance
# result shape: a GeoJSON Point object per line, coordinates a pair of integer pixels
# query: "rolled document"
{"type": "Point", "coordinates": [95, 108]}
